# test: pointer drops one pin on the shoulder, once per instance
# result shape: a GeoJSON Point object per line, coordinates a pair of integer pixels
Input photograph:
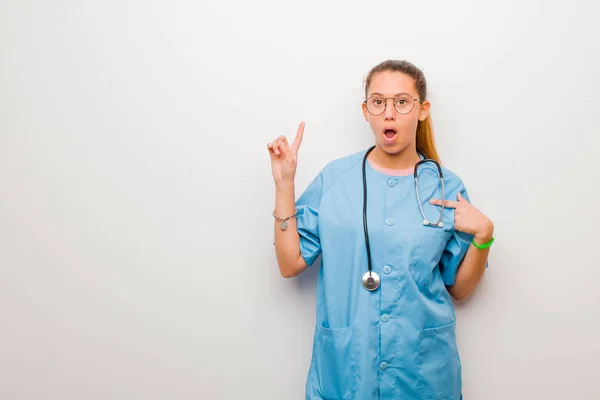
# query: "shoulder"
{"type": "Point", "coordinates": [329, 175]}
{"type": "Point", "coordinates": [340, 166]}
{"type": "Point", "coordinates": [452, 181]}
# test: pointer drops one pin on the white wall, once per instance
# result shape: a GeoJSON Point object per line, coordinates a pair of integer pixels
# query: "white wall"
{"type": "Point", "coordinates": [136, 257]}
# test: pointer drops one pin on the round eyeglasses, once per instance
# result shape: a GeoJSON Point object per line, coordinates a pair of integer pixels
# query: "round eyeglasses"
{"type": "Point", "coordinates": [403, 103]}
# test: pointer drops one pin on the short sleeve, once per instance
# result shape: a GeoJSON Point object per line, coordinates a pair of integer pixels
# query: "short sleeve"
{"type": "Point", "coordinates": [307, 220]}
{"type": "Point", "coordinates": [456, 248]}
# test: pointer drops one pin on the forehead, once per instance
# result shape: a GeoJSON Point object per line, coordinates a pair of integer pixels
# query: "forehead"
{"type": "Point", "coordinates": [389, 83]}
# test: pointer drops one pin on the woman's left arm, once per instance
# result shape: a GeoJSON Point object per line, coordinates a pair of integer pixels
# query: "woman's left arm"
{"type": "Point", "coordinates": [470, 220]}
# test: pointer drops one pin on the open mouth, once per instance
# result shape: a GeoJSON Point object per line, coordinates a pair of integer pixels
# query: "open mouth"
{"type": "Point", "coordinates": [389, 134]}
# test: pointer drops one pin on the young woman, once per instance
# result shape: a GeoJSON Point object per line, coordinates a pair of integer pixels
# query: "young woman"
{"type": "Point", "coordinates": [393, 249]}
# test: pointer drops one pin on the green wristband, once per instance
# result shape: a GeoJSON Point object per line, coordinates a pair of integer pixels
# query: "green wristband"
{"type": "Point", "coordinates": [483, 246]}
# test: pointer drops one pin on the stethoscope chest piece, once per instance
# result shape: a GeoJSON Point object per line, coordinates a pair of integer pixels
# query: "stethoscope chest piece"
{"type": "Point", "coordinates": [370, 280]}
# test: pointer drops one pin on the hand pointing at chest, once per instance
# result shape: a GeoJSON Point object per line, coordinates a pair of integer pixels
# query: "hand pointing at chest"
{"type": "Point", "coordinates": [468, 219]}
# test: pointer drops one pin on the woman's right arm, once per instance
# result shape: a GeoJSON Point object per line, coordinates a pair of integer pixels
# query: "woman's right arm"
{"type": "Point", "coordinates": [284, 160]}
{"type": "Point", "coordinates": [287, 242]}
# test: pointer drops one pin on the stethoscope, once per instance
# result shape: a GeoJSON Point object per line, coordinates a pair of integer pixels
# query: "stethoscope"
{"type": "Point", "coordinates": [370, 279]}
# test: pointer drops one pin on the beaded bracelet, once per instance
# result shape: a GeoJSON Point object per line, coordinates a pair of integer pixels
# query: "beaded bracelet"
{"type": "Point", "coordinates": [284, 223]}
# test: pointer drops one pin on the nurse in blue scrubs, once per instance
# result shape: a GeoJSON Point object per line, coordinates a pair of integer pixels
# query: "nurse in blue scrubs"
{"type": "Point", "coordinates": [397, 340]}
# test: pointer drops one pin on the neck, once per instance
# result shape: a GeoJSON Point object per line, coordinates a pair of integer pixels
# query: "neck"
{"type": "Point", "coordinates": [405, 159]}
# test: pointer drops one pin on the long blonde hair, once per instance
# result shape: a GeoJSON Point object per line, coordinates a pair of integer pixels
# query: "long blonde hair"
{"type": "Point", "coordinates": [425, 139]}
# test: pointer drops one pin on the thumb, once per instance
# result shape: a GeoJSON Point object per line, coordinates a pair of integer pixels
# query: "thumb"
{"type": "Point", "coordinates": [461, 198]}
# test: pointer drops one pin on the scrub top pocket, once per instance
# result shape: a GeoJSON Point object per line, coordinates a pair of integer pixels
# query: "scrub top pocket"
{"type": "Point", "coordinates": [428, 246]}
{"type": "Point", "coordinates": [335, 364]}
{"type": "Point", "coordinates": [438, 364]}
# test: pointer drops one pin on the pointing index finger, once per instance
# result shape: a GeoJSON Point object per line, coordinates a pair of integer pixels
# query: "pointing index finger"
{"type": "Point", "coordinates": [447, 203]}
{"type": "Point", "coordinates": [298, 139]}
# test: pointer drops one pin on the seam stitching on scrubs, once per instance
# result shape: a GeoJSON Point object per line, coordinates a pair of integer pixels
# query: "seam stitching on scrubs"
{"type": "Point", "coordinates": [323, 191]}
{"type": "Point", "coordinates": [340, 175]}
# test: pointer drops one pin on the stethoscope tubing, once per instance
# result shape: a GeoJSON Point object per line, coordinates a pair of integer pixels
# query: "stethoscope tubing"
{"type": "Point", "coordinates": [439, 223]}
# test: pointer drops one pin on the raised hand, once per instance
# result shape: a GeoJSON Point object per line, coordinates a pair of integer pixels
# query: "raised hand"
{"type": "Point", "coordinates": [284, 158]}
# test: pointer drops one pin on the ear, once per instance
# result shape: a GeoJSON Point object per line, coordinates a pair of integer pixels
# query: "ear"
{"type": "Point", "coordinates": [365, 112]}
{"type": "Point", "coordinates": [424, 110]}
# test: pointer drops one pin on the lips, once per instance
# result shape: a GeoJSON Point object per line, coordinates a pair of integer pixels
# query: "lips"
{"type": "Point", "coordinates": [390, 133]}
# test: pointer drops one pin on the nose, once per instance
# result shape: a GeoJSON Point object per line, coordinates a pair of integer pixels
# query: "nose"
{"type": "Point", "coordinates": [390, 111]}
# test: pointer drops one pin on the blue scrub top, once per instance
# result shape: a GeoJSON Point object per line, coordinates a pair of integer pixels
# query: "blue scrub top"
{"type": "Point", "coordinates": [397, 342]}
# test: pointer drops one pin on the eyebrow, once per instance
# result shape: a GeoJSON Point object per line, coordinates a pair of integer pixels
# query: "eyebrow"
{"type": "Point", "coordinates": [372, 94]}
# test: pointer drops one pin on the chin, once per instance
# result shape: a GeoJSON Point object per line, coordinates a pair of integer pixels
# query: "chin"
{"type": "Point", "coordinates": [392, 148]}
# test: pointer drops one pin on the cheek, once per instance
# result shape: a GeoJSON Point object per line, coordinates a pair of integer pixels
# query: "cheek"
{"type": "Point", "coordinates": [410, 124]}
{"type": "Point", "coordinates": [374, 124]}
{"type": "Point", "coordinates": [408, 129]}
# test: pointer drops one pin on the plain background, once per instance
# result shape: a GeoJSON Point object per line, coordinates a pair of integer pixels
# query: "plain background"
{"type": "Point", "coordinates": [136, 256]}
